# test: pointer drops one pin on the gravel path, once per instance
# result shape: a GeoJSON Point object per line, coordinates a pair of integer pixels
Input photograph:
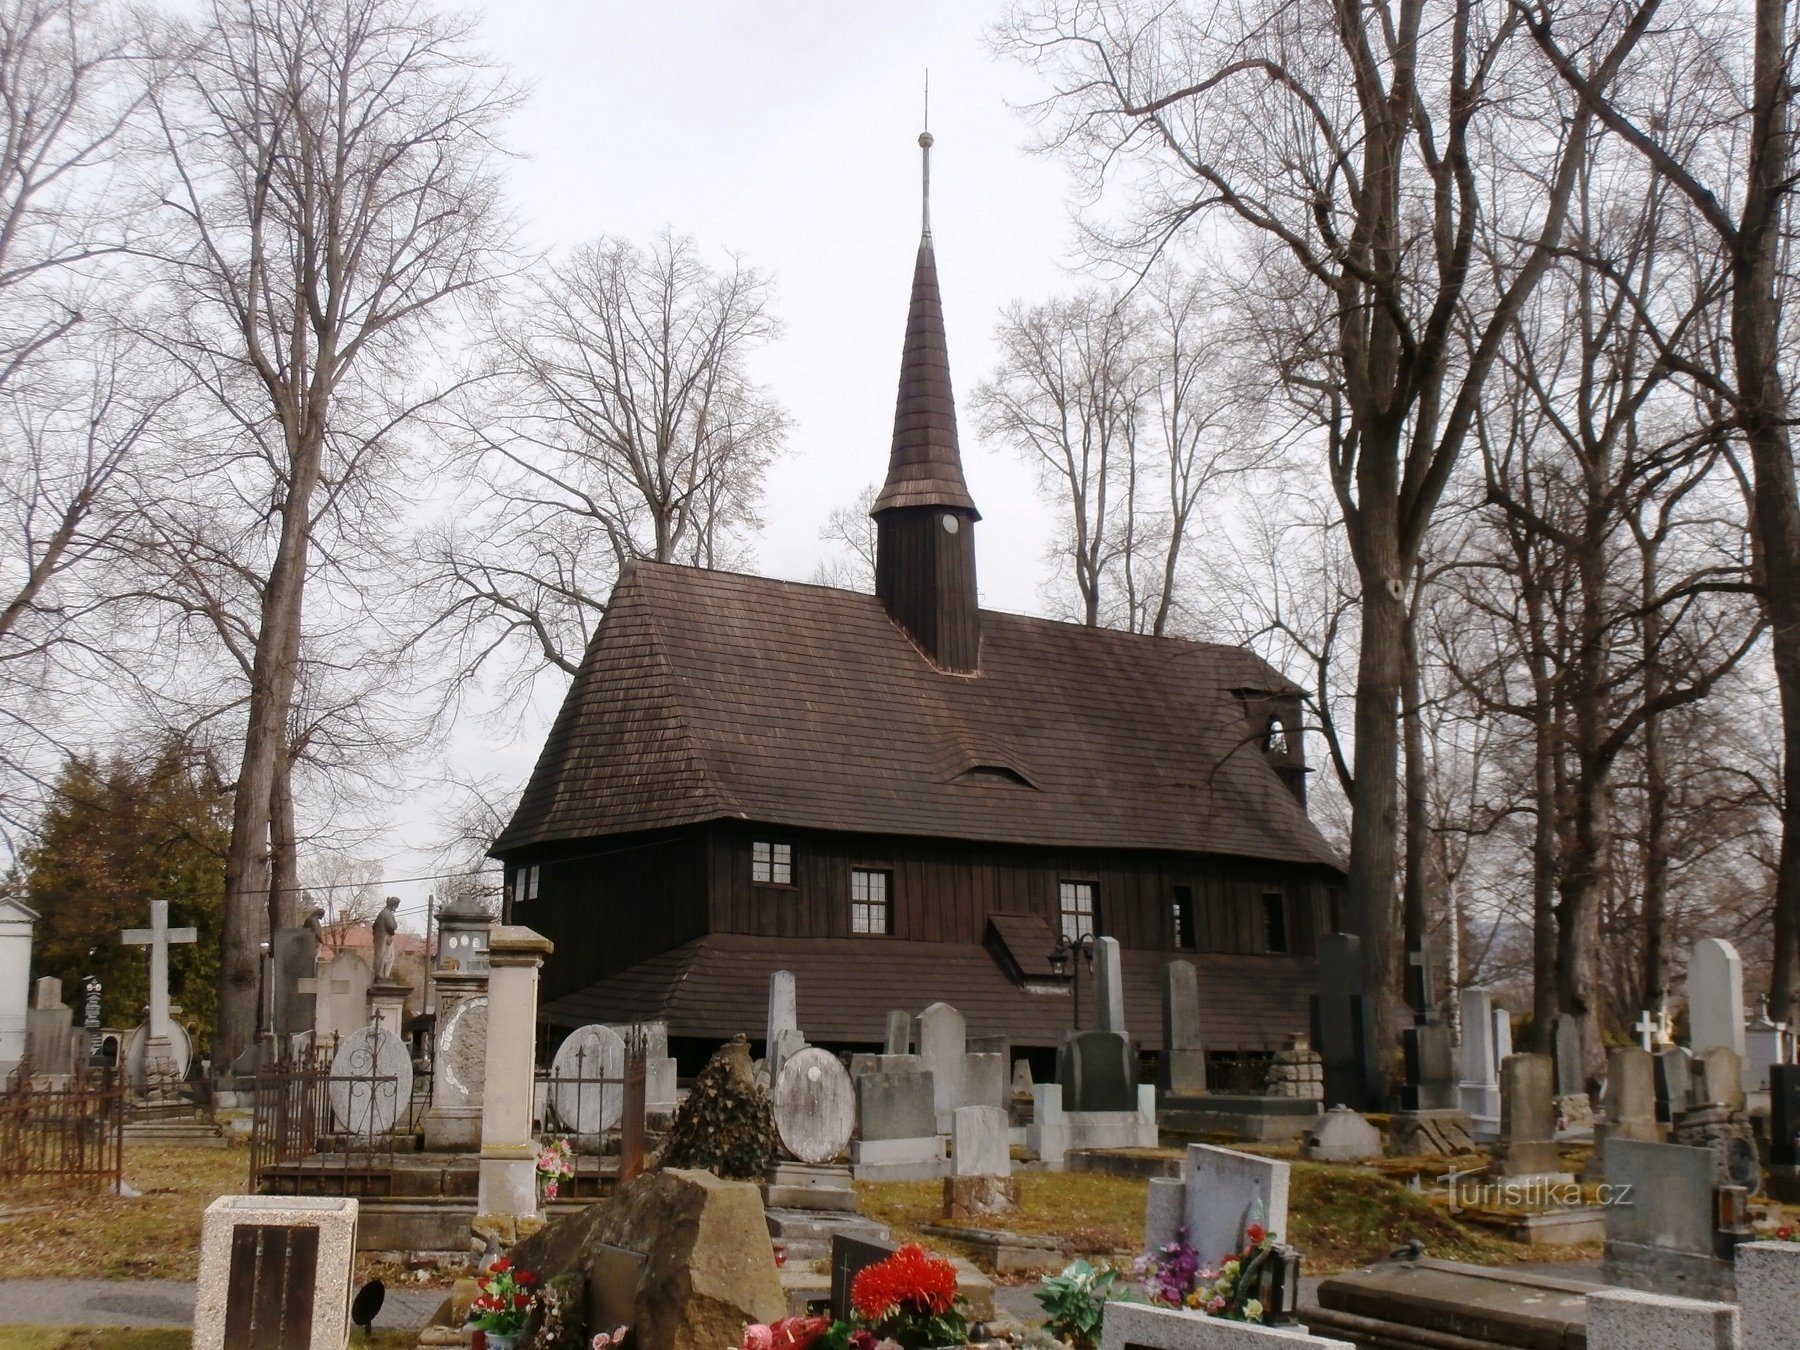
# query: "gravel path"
{"type": "Point", "coordinates": [155, 1303]}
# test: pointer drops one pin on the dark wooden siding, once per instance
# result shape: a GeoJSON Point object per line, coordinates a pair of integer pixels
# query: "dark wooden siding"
{"type": "Point", "coordinates": [943, 891]}
{"type": "Point", "coordinates": [927, 577]}
{"type": "Point", "coordinates": [607, 911]}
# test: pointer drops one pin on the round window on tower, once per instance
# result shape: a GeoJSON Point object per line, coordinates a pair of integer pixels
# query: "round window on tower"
{"type": "Point", "coordinates": [951, 524]}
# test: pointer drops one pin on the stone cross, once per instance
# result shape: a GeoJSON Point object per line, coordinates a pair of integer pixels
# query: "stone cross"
{"type": "Point", "coordinates": [157, 938]}
{"type": "Point", "coordinates": [1424, 1004]}
{"type": "Point", "coordinates": [1646, 1027]}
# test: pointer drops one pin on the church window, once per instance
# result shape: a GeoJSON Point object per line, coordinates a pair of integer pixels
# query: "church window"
{"type": "Point", "coordinates": [772, 863]}
{"type": "Point", "coordinates": [869, 909]}
{"type": "Point", "coordinates": [525, 884]}
{"type": "Point", "coordinates": [1274, 917]}
{"type": "Point", "coordinates": [1075, 900]}
{"type": "Point", "coordinates": [1275, 739]}
{"type": "Point", "coordinates": [1182, 915]}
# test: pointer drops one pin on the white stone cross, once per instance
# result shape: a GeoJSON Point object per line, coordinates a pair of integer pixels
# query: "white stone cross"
{"type": "Point", "coordinates": [1646, 1027]}
{"type": "Point", "coordinates": [157, 938]}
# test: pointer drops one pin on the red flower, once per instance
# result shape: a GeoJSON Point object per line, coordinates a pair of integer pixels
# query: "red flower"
{"type": "Point", "coordinates": [862, 1339]}
{"type": "Point", "coordinates": [798, 1333]}
{"type": "Point", "coordinates": [908, 1280]}
{"type": "Point", "coordinates": [1256, 1233]}
{"type": "Point", "coordinates": [501, 1264]}
{"type": "Point", "coordinates": [1785, 1234]}
{"type": "Point", "coordinates": [521, 1300]}
{"type": "Point", "coordinates": [525, 1277]}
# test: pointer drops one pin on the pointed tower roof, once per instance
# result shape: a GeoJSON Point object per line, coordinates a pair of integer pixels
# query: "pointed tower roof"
{"type": "Point", "coordinates": [925, 462]}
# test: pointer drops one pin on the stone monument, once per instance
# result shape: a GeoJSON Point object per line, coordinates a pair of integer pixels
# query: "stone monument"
{"type": "Point", "coordinates": [1184, 1049]}
{"type": "Point", "coordinates": [15, 979]}
{"type": "Point", "coordinates": [506, 1204]}
{"type": "Point", "coordinates": [158, 1050]}
{"type": "Point", "coordinates": [1715, 996]}
{"type": "Point", "coordinates": [459, 1042]}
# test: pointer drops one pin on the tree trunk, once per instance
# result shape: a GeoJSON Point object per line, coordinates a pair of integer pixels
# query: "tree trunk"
{"type": "Point", "coordinates": [1655, 967]}
{"type": "Point", "coordinates": [1762, 416]}
{"type": "Point", "coordinates": [1415, 901]}
{"type": "Point", "coordinates": [284, 849]}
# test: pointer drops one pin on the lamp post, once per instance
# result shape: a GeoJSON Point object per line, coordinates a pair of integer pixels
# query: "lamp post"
{"type": "Point", "coordinates": [1082, 949]}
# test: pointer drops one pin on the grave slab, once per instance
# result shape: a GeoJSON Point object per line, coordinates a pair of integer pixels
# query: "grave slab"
{"type": "Point", "coordinates": [1133, 1326]}
{"type": "Point", "coordinates": [275, 1272]}
{"type": "Point", "coordinates": [1226, 1192]}
{"type": "Point", "coordinates": [1768, 1289]}
{"type": "Point", "coordinates": [1629, 1319]}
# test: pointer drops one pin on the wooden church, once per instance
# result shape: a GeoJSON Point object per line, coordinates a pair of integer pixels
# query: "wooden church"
{"type": "Point", "coordinates": [905, 798]}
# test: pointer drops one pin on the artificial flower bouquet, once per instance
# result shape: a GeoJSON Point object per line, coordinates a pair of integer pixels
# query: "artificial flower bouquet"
{"type": "Point", "coordinates": [907, 1302]}
{"type": "Point", "coordinates": [503, 1300]}
{"type": "Point", "coordinates": [1174, 1278]}
{"type": "Point", "coordinates": [555, 1165]}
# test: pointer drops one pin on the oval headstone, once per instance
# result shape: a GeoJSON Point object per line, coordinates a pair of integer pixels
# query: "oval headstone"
{"type": "Point", "coordinates": [460, 1058]}
{"type": "Point", "coordinates": [168, 1069]}
{"type": "Point", "coordinates": [815, 1105]}
{"type": "Point", "coordinates": [583, 1106]}
{"type": "Point", "coordinates": [371, 1081]}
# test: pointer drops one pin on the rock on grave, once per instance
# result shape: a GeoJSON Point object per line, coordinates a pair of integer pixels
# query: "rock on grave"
{"type": "Point", "coordinates": [709, 1267]}
{"type": "Point", "coordinates": [298, 1249]}
{"type": "Point", "coordinates": [371, 1081]}
{"type": "Point", "coordinates": [1341, 1135]}
{"type": "Point", "coordinates": [588, 1108]}
{"type": "Point", "coordinates": [815, 1105]}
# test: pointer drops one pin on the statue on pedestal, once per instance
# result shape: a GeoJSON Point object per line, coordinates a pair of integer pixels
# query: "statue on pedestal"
{"type": "Point", "coordinates": [387, 923]}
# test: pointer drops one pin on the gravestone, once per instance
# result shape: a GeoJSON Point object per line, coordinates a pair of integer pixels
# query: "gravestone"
{"type": "Point", "coordinates": [371, 1081]}
{"type": "Point", "coordinates": [1573, 1106]}
{"type": "Point", "coordinates": [1184, 1045]}
{"type": "Point", "coordinates": [341, 1005]}
{"type": "Point", "coordinates": [899, 1033]}
{"type": "Point", "coordinates": [1047, 1137]}
{"type": "Point", "coordinates": [1226, 1191]}
{"type": "Point", "coordinates": [159, 1049]}
{"type": "Point", "coordinates": [1766, 1044]}
{"type": "Point", "coordinates": [1135, 1326]}
{"type": "Point", "coordinates": [1430, 1059]}
{"type": "Point", "coordinates": [1715, 996]}
{"type": "Point", "coordinates": [1109, 986]}
{"type": "Point", "coordinates": [980, 1184]}
{"type": "Point", "coordinates": [587, 1108]}
{"type": "Point", "coordinates": [506, 1187]}
{"type": "Point", "coordinates": [1344, 1026]}
{"type": "Point", "coordinates": [815, 1106]}
{"type": "Point", "coordinates": [1716, 1078]}
{"type": "Point", "coordinates": [850, 1256]}
{"type": "Point", "coordinates": [1098, 1072]}
{"type": "Point", "coordinates": [294, 963]}
{"type": "Point", "coordinates": [943, 1047]}
{"type": "Point", "coordinates": [1629, 1105]}
{"type": "Point", "coordinates": [1784, 1133]}
{"type": "Point", "coordinates": [1527, 1143]}
{"type": "Point", "coordinates": [16, 921]}
{"type": "Point", "coordinates": [458, 1066]}
{"type": "Point", "coordinates": [1674, 1083]}
{"type": "Point", "coordinates": [1661, 1225]}
{"type": "Point", "coordinates": [275, 1273]}
{"type": "Point", "coordinates": [896, 1126]}
{"type": "Point", "coordinates": [784, 1021]}
{"type": "Point", "coordinates": [661, 1072]}
{"type": "Point", "coordinates": [1478, 1092]}
{"type": "Point", "coordinates": [1715, 1117]}
{"type": "Point", "coordinates": [49, 1029]}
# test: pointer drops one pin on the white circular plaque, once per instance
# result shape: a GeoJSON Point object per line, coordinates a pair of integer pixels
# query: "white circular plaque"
{"type": "Point", "coordinates": [815, 1105]}
{"type": "Point", "coordinates": [371, 1081]}
{"type": "Point", "coordinates": [585, 1107]}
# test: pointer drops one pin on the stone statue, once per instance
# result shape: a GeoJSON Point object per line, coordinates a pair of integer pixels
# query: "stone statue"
{"type": "Point", "coordinates": [387, 923]}
{"type": "Point", "coordinates": [315, 923]}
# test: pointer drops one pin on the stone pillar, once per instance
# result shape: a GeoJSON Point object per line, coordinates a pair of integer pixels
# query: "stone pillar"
{"type": "Point", "coordinates": [506, 1204]}
{"type": "Point", "coordinates": [1109, 986]}
{"type": "Point", "coordinates": [387, 1001]}
{"type": "Point", "coordinates": [1184, 1049]}
{"type": "Point", "coordinates": [15, 979]}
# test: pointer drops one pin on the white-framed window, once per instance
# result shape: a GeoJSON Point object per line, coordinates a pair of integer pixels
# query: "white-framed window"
{"type": "Point", "coordinates": [1187, 934]}
{"type": "Point", "coordinates": [869, 909]}
{"type": "Point", "coordinates": [772, 863]}
{"type": "Point", "coordinates": [1075, 900]}
{"type": "Point", "coordinates": [525, 884]}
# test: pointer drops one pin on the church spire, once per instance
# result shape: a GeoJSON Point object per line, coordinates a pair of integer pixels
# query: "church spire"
{"type": "Point", "coordinates": [925, 546]}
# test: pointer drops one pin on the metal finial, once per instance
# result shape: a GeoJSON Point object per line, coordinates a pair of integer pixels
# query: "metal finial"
{"type": "Point", "coordinates": [925, 146]}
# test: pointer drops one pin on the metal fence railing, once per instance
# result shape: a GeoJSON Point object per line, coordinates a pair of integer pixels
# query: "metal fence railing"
{"type": "Point", "coordinates": [591, 1104]}
{"type": "Point", "coordinates": [339, 1127]}
{"type": "Point", "coordinates": [72, 1135]}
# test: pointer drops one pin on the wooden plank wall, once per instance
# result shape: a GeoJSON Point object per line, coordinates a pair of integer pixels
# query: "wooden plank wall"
{"type": "Point", "coordinates": [944, 891]}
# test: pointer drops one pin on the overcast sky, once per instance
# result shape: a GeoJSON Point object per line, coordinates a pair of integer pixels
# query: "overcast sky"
{"type": "Point", "coordinates": [787, 133]}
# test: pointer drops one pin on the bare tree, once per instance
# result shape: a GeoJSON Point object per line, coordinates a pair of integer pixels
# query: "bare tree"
{"type": "Point", "coordinates": [851, 531]}
{"type": "Point", "coordinates": [332, 189]}
{"type": "Point", "coordinates": [1354, 152]}
{"type": "Point", "coordinates": [74, 401]}
{"type": "Point", "coordinates": [619, 421]}
{"type": "Point", "coordinates": [1738, 177]}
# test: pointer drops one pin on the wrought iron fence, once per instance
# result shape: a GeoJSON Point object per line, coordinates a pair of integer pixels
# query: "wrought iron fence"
{"type": "Point", "coordinates": [1246, 1073]}
{"type": "Point", "coordinates": [70, 1135]}
{"type": "Point", "coordinates": [591, 1104]}
{"type": "Point", "coordinates": [335, 1129]}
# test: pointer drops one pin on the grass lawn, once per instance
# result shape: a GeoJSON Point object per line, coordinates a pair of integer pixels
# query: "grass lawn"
{"type": "Point", "coordinates": [1340, 1216]}
{"type": "Point", "coordinates": [155, 1236]}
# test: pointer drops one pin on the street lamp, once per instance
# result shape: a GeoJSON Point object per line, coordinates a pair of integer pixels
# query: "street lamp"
{"type": "Point", "coordinates": [1081, 948]}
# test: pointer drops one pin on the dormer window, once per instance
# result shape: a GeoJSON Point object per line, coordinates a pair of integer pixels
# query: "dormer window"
{"type": "Point", "coordinates": [1275, 740]}
{"type": "Point", "coordinates": [994, 773]}
{"type": "Point", "coordinates": [771, 863]}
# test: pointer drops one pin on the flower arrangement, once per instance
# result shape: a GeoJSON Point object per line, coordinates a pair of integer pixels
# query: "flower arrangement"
{"type": "Point", "coordinates": [1169, 1274]}
{"type": "Point", "coordinates": [555, 1164]}
{"type": "Point", "coordinates": [1075, 1302]}
{"type": "Point", "coordinates": [609, 1340]}
{"type": "Point", "coordinates": [503, 1300]}
{"type": "Point", "coordinates": [1787, 1233]}
{"type": "Point", "coordinates": [911, 1299]}
{"type": "Point", "coordinates": [907, 1302]}
{"type": "Point", "coordinates": [1226, 1292]}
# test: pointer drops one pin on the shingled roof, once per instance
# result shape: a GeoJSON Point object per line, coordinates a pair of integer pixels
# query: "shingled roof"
{"type": "Point", "coordinates": [712, 695]}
